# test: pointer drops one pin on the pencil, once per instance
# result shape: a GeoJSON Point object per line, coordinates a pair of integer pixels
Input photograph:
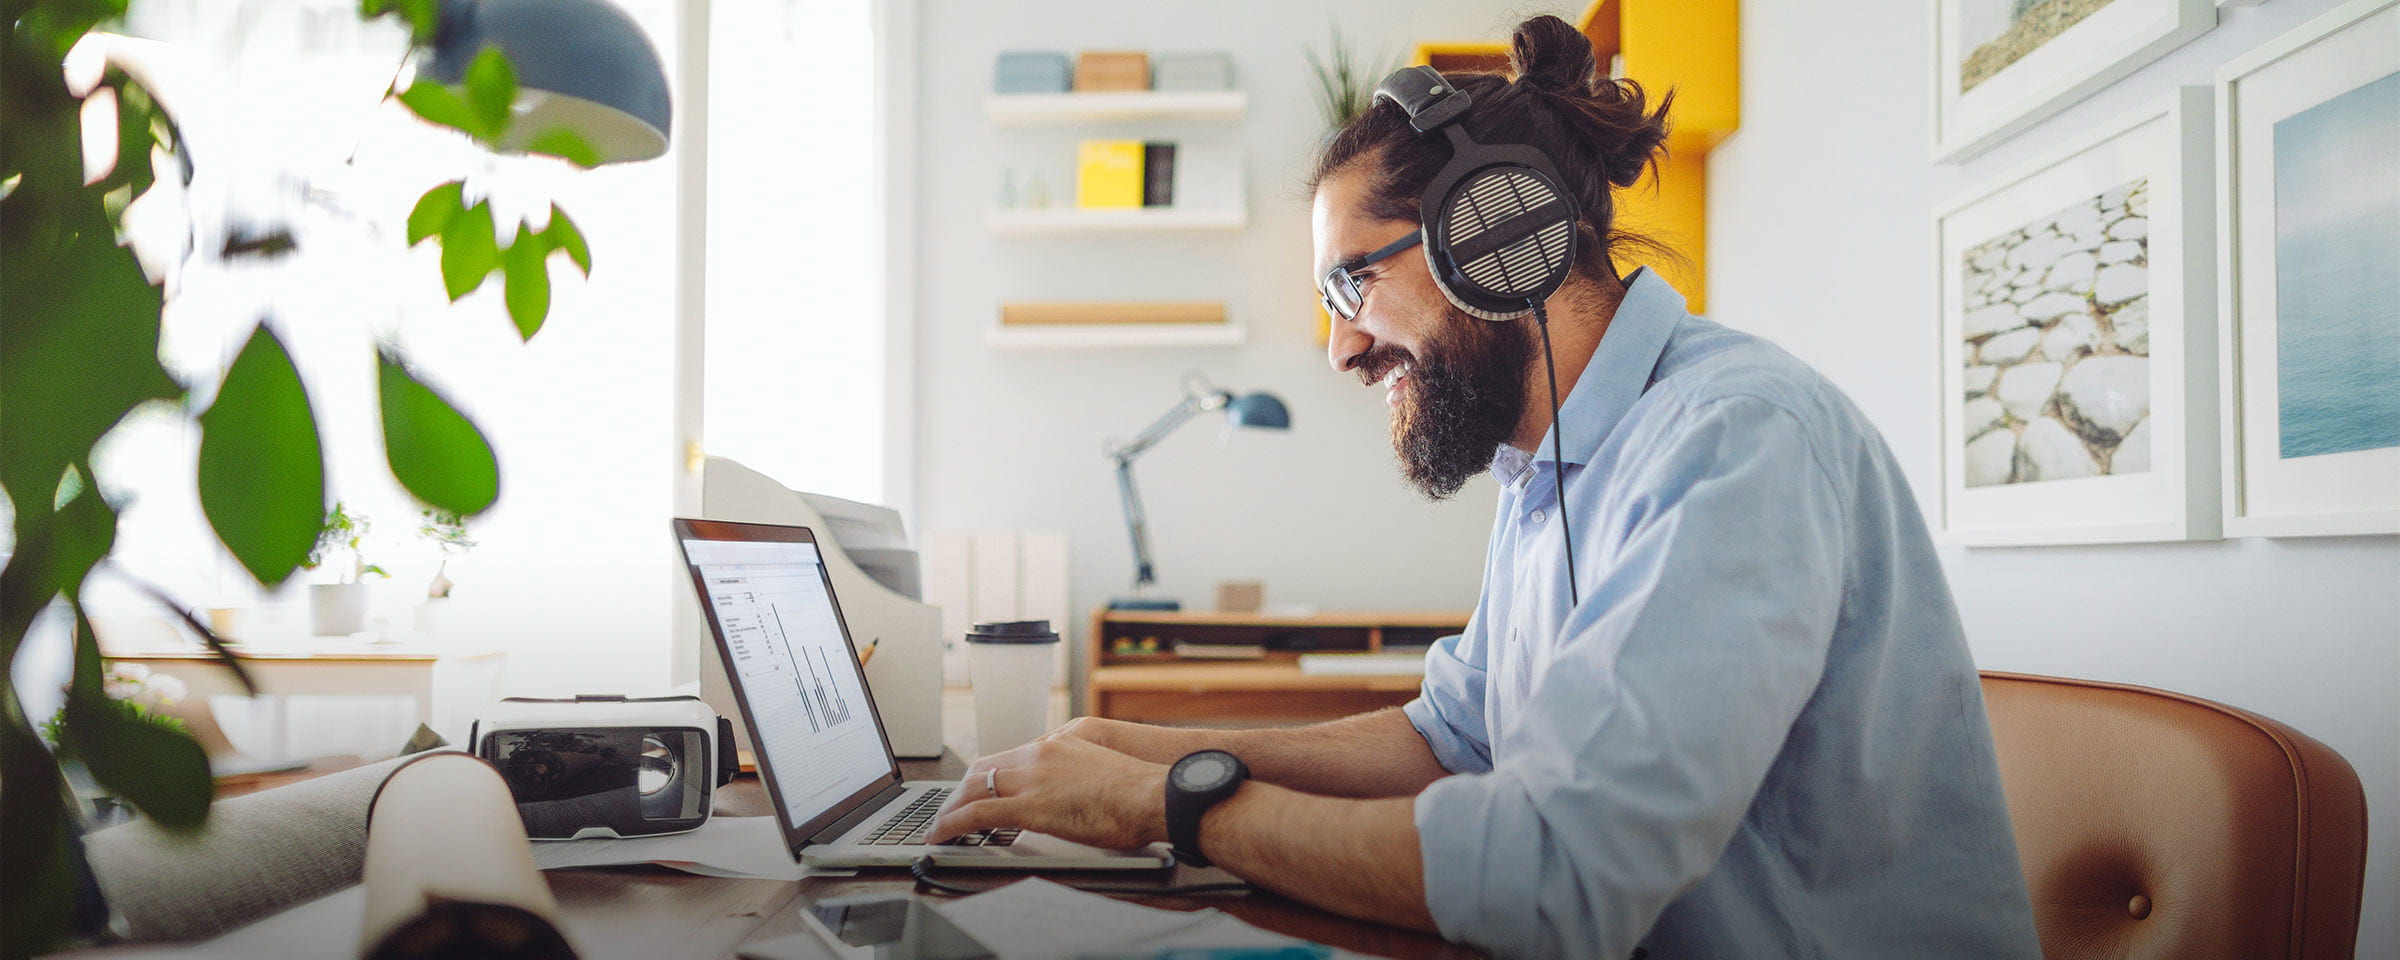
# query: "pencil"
{"type": "Point", "coordinates": [869, 653]}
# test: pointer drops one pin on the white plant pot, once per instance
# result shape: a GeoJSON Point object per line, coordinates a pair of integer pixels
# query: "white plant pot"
{"type": "Point", "coordinates": [338, 609]}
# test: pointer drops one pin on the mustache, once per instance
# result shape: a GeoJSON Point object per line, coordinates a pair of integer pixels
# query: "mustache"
{"type": "Point", "coordinates": [1374, 364]}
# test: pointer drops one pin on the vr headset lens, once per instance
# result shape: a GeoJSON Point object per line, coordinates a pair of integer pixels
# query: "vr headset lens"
{"type": "Point", "coordinates": [563, 779]}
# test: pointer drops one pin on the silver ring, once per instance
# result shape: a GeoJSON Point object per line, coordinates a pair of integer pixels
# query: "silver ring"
{"type": "Point", "coordinates": [991, 782]}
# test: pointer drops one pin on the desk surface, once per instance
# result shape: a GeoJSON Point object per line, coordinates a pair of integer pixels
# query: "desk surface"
{"type": "Point", "coordinates": [623, 912]}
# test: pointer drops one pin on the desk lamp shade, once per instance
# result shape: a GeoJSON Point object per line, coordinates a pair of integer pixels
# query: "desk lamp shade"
{"type": "Point", "coordinates": [1262, 410]}
{"type": "Point", "coordinates": [581, 64]}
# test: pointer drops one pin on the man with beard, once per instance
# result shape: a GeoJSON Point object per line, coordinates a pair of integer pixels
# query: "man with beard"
{"type": "Point", "coordinates": [1750, 726]}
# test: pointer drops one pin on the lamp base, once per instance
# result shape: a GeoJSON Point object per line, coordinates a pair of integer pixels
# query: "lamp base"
{"type": "Point", "coordinates": [1145, 603]}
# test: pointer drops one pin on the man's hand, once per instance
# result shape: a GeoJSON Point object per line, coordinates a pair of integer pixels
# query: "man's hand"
{"type": "Point", "coordinates": [1139, 740]}
{"type": "Point", "coordinates": [1064, 786]}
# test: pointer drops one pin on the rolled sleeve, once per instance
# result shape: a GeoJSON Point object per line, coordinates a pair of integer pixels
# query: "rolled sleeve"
{"type": "Point", "coordinates": [1448, 710]}
{"type": "Point", "coordinates": [1708, 607]}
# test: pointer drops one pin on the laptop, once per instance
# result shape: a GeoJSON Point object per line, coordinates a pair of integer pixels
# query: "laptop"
{"type": "Point", "coordinates": [822, 752]}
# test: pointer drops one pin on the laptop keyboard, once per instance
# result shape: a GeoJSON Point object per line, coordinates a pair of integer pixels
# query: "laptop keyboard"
{"type": "Point", "coordinates": [909, 826]}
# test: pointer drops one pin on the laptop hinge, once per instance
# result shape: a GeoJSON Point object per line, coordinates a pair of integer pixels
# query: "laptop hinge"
{"type": "Point", "coordinates": [860, 813]}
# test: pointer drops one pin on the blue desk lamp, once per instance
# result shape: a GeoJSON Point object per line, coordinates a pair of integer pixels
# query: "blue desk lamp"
{"type": "Point", "coordinates": [1262, 410]}
{"type": "Point", "coordinates": [581, 64]}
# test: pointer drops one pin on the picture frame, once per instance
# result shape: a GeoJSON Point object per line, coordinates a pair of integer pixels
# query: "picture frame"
{"type": "Point", "coordinates": [1999, 67]}
{"type": "Point", "coordinates": [2306, 450]}
{"type": "Point", "coordinates": [2076, 383]}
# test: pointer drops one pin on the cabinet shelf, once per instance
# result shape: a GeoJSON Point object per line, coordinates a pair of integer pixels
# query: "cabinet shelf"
{"type": "Point", "coordinates": [1068, 220]}
{"type": "Point", "coordinates": [1087, 336]}
{"type": "Point", "coordinates": [1053, 109]}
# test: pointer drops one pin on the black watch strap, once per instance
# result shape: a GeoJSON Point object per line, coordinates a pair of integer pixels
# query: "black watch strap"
{"type": "Point", "coordinates": [1196, 783]}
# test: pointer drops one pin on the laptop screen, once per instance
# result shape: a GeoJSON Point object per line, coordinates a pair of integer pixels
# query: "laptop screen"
{"type": "Point", "coordinates": [791, 664]}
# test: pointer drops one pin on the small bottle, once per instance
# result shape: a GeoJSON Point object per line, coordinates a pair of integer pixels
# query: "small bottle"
{"type": "Point", "coordinates": [1037, 193]}
{"type": "Point", "coordinates": [1008, 190]}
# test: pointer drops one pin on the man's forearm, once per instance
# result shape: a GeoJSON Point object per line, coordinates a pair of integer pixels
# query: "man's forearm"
{"type": "Point", "coordinates": [1378, 754]}
{"type": "Point", "coordinates": [1355, 857]}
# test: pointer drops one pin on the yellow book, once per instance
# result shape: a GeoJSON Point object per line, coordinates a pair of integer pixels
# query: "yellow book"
{"type": "Point", "coordinates": [1108, 174]}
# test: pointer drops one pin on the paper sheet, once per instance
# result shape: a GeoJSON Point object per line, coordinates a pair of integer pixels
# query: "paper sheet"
{"type": "Point", "coordinates": [722, 847]}
{"type": "Point", "coordinates": [1035, 919]}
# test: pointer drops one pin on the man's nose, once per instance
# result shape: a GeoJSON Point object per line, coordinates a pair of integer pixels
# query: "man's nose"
{"type": "Point", "coordinates": [1347, 341]}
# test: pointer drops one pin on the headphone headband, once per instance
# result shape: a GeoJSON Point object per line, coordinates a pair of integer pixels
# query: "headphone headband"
{"type": "Point", "coordinates": [1428, 99]}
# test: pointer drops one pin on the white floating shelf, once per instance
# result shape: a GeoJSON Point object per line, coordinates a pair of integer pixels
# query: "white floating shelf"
{"type": "Point", "coordinates": [1051, 109]}
{"type": "Point", "coordinates": [1073, 220]}
{"type": "Point", "coordinates": [1093, 336]}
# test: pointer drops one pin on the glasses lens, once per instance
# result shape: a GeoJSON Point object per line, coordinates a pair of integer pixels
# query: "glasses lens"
{"type": "Point", "coordinates": [1340, 293]}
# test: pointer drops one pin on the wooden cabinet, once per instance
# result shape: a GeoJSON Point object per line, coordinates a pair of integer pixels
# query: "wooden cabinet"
{"type": "Point", "coordinates": [1242, 669]}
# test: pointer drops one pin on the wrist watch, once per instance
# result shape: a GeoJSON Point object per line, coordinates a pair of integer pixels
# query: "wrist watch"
{"type": "Point", "coordinates": [1197, 782]}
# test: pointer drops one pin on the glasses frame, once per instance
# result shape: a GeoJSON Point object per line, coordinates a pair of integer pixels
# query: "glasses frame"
{"type": "Point", "coordinates": [1340, 279]}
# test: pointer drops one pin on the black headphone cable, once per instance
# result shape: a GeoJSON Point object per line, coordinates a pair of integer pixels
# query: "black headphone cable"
{"type": "Point", "coordinates": [1558, 461]}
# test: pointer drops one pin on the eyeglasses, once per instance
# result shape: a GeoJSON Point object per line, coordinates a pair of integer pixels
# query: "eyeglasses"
{"type": "Point", "coordinates": [1344, 292]}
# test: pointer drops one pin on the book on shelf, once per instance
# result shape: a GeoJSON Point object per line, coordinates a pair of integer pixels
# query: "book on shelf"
{"type": "Point", "coordinates": [1158, 174]}
{"type": "Point", "coordinates": [1361, 664]}
{"type": "Point", "coordinates": [1108, 175]}
{"type": "Point", "coordinates": [1221, 651]}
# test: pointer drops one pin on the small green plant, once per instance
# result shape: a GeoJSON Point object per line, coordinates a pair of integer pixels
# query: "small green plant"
{"type": "Point", "coordinates": [1345, 81]}
{"type": "Point", "coordinates": [449, 532]}
{"type": "Point", "coordinates": [134, 695]}
{"type": "Point", "coordinates": [341, 531]}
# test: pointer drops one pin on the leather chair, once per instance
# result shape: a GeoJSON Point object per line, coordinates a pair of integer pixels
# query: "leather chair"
{"type": "Point", "coordinates": [2153, 824]}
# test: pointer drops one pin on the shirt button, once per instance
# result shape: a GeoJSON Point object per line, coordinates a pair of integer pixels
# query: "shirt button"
{"type": "Point", "coordinates": [1537, 516]}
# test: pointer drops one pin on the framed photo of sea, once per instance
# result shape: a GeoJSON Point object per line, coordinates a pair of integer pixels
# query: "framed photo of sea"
{"type": "Point", "coordinates": [2076, 345]}
{"type": "Point", "coordinates": [2309, 139]}
{"type": "Point", "coordinates": [2002, 65]}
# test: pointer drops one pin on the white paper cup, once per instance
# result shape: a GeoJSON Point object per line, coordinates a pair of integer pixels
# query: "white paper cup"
{"type": "Point", "coordinates": [1008, 664]}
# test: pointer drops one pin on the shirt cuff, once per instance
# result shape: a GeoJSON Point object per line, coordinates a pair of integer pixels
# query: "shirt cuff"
{"type": "Point", "coordinates": [1461, 831]}
{"type": "Point", "coordinates": [1452, 751]}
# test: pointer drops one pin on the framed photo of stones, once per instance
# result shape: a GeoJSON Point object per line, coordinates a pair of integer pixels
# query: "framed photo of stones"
{"type": "Point", "coordinates": [2002, 65]}
{"type": "Point", "coordinates": [2309, 277]}
{"type": "Point", "coordinates": [2076, 349]}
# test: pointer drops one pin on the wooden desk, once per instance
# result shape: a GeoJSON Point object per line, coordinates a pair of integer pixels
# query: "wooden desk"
{"type": "Point", "coordinates": [348, 669]}
{"type": "Point", "coordinates": [647, 913]}
{"type": "Point", "coordinates": [746, 797]}
{"type": "Point", "coordinates": [1137, 672]}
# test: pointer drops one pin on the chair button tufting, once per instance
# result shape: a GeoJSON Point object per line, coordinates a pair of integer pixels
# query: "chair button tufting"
{"type": "Point", "coordinates": [2139, 906]}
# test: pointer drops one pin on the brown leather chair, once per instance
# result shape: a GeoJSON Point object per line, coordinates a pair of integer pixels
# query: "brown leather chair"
{"type": "Point", "coordinates": [2152, 824]}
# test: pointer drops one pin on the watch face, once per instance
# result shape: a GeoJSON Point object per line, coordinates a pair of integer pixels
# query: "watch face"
{"type": "Point", "coordinates": [1203, 771]}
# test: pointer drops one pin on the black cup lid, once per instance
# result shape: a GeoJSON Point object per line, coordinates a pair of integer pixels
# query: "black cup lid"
{"type": "Point", "coordinates": [1013, 631]}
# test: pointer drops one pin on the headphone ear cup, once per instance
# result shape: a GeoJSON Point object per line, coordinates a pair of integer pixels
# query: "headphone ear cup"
{"type": "Point", "coordinates": [1499, 239]}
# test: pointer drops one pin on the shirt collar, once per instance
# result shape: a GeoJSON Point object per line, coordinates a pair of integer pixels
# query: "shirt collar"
{"type": "Point", "coordinates": [1617, 376]}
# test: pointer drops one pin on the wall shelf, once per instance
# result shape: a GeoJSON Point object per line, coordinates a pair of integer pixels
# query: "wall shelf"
{"type": "Point", "coordinates": [1054, 109]}
{"type": "Point", "coordinates": [1056, 220]}
{"type": "Point", "coordinates": [1098, 336]}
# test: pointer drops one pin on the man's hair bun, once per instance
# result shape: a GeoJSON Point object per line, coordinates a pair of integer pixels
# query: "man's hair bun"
{"type": "Point", "coordinates": [1556, 59]}
{"type": "Point", "coordinates": [1550, 55]}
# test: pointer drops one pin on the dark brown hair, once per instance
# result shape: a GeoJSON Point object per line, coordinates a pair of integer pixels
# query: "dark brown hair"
{"type": "Point", "coordinates": [1594, 129]}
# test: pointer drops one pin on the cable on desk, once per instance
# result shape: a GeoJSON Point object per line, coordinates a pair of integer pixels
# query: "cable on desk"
{"type": "Point", "coordinates": [922, 869]}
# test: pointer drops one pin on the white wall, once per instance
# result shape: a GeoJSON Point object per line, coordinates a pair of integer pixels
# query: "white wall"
{"type": "Point", "coordinates": [1011, 440]}
{"type": "Point", "coordinates": [1818, 228]}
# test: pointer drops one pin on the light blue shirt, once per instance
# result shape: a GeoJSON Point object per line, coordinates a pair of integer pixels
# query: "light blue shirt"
{"type": "Point", "coordinates": [1760, 733]}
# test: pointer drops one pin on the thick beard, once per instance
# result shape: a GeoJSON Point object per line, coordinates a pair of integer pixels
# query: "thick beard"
{"type": "Point", "coordinates": [1466, 393]}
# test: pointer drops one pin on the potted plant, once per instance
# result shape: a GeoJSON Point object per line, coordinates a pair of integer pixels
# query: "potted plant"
{"type": "Point", "coordinates": [339, 609]}
{"type": "Point", "coordinates": [448, 531]}
{"type": "Point", "coordinates": [1345, 82]}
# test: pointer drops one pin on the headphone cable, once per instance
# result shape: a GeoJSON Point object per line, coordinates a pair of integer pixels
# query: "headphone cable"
{"type": "Point", "coordinates": [1558, 461]}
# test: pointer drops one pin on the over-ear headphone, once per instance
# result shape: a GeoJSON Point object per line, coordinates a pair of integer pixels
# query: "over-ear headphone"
{"type": "Point", "coordinates": [1499, 229]}
{"type": "Point", "coordinates": [1498, 222]}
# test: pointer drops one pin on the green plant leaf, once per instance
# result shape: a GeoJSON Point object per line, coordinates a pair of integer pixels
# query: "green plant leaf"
{"type": "Point", "coordinates": [34, 847]}
{"type": "Point", "coordinates": [435, 210]}
{"type": "Point", "coordinates": [434, 450]}
{"type": "Point", "coordinates": [565, 144]}
{"type": "Point", "coordinates": [526, 268]}
{"type": "Point", "coordinates": [562, 235]}
{"type": "Point", "coordinates": [441, 105]}
{"type": "Point", "coordinates": [81, 328]}
{"type": "Point", "coordinates": [152, 763]}
{"type": "Point", "coordinates": [491, 87]}
{"type": "Point", "coordinates": [262, 471]}
{"type": "Point", "coordinates": [83, 533]}
{"type": "Point", "coordinates": [470, 252]}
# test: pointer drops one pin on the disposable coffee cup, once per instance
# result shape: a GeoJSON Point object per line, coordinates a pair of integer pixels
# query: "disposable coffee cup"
{"type": "Point", "coordinates": [1008, 663]}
